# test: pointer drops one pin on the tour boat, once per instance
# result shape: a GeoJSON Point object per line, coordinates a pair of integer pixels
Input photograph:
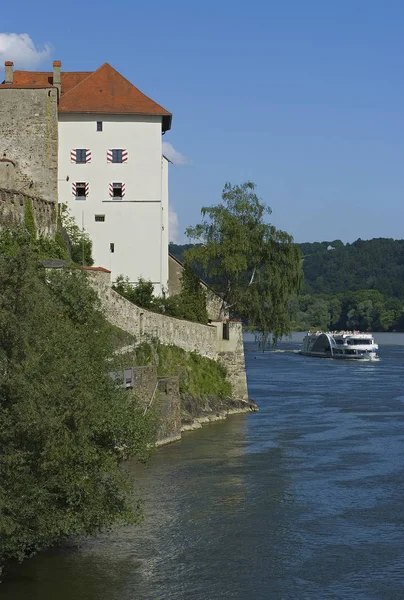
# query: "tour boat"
{"type": "Point", "coordinates": [351, 345]}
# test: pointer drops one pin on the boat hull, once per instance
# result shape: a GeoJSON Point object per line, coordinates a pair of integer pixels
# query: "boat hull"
{"type": "Point", "coordinates": [362, 357]}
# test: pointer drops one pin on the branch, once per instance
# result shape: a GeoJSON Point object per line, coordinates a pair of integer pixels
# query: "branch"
{"type": "Point", "coordinates": [252, 276]}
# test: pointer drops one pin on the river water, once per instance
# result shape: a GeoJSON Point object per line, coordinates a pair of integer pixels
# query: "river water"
{"type": "Point", "coordinates": [302, 501]}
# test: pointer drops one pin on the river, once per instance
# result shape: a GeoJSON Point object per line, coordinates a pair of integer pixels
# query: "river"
{"type": "Point", "coordinates": [301, 501]}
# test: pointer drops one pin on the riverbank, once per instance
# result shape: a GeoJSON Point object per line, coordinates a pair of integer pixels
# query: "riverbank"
{"type": "Point", "coordinates": [209, 414]}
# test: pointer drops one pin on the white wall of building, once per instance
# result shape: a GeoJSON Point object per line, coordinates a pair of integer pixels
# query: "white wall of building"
{"type": "Point", "coordinates": [165, 219]}
{"type": "Point", "coordinates": [137, 225]}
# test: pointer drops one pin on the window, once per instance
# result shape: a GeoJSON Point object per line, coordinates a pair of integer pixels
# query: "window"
{"type": "Point", "coordinates": [226, 331]}
{"type": "Point", "coordinates": [128, 377]}
{"type": "Point", "coordinates": [81, 190]}
{"type": "Point", "coordinates": [112, 247]}
{"type": "Point", "coordinates": [116, 155]}
{"type": "Point", "coordinates": [100, 218]}
{"type": "Point", "coordinates": [99, 125]}
{"type": "Point", "coordinates": [117, 190]}
{"type": "Point", "coordinates": [81, 155]}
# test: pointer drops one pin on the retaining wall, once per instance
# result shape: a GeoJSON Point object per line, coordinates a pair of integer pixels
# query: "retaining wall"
{"type": "Point", "coordinates": [207, 340]}
{"type": "Point", "coordinates": [144, 324]}
{"type": "Point", "coordinates": [12, 212]}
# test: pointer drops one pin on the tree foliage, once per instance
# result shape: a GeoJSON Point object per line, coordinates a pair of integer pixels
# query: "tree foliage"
{"type": "Point", "coordinates": [141, 294]}
{"type": "Point", "coordinates": [80, 242]}
{"type": "Point", "coordinates": [335, 268]}
{"type": "Point", "coordinates": [61, 414]}
{"type": "Point", "coordinates": [189, 304]}
{"type": "Point", "coordinates": [254, 266]}
{"type": "Point", "coordinates": [367, 310]}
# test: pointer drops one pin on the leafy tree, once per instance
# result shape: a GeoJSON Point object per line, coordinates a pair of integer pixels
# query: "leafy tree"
{"type": "Point", "coordinates": [80, 242]}
{"type": "Point", "coordinates": [255, 267]}
{"type": "Point", "coordinates": [189, 304]}
{"type": "Point", "coordinates": [142, 294]}
{"type": "Point", "coordinates": [61, 414]}
{"type": "Point", "coordinates": [191, 301]}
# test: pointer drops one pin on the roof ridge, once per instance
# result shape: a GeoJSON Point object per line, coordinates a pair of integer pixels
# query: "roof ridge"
{"type": "Point", "coordinates": [77, 84]}
{"type": "Point", "coordinates": [106, 64]}
{"type": "Point", "coordinates": [136, 88]}
{"type": "Point", "coordinates": [85, 79]}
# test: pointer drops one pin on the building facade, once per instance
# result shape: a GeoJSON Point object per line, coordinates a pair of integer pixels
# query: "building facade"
{"type": "Point", "coordinates": [111, 171]}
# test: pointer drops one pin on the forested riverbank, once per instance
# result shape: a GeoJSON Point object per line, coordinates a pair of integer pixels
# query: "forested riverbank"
{"type": "Point", "coordinates": [347, 286]}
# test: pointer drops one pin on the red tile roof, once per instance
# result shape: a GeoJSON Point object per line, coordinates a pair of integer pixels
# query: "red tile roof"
{"type": "Point", "coordinates": [104, 91]}
{"type": "Point", "coordinates": [30, 78]}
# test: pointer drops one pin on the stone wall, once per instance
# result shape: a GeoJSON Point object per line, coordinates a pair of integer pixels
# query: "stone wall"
{"type": "Point", "coordinates": [207, 340]}
{"type": "Point", "coordinates": [162, 395]}
{"type": "Point", "coordinates": [144, 324]}
{"type": "Point", "coordinates": [231, 354]}
{"type": "Point", "coordinates": [144, 383]}
{"type": "Point", "coordinates": [12, 212]}
{"type": "Point", "coordinates": [168, 407]}
{"type": "Point", "coordinates": [29, 141]}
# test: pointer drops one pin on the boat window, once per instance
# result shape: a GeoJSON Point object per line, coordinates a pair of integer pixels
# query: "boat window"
{"type": "Point", "coordinates": [350, 351]}
{"type": "Point", "coordinates": [339, 341]}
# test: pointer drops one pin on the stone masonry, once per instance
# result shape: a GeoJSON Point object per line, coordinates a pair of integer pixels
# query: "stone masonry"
{"type": "Point", "coordinates": [207, 340]}
{"type": "Point", "coordinates": [12, 212]}
{"type": "Point", "coordinates": [144, 324]}
{"type": "Point", "coordinates": [29, 162]}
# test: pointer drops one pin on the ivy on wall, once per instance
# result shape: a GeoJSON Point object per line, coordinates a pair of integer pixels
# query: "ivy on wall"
{"type": "Point", "coordinates": [29, 219]}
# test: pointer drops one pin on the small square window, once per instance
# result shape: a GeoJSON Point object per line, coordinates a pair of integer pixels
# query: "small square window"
{"type": "Point", "coordinates": [81, 155]}
{"type": "Point", "coordinates": [117, 155]}
{"type": "Point", "coordinates": [100, 218]}
{"type": "Point", "coordinates": [99, 125]}
{"type": "Point", "coordinates": [117, 190]}
{"type": "Point", "coordinates": [81, 189]}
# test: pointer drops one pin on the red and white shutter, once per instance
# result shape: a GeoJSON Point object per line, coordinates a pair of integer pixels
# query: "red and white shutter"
{"type": "Point", "coordinates": [74, 191]}
{"type": "Point", "coordinates": [111, 190]}
{"type": "Point", "coordinates": [124, 155]}
{"type": "Point", "coordinates": [73, 155]}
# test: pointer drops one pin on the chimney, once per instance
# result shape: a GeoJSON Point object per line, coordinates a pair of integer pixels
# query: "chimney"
{"type": "Point", "coordinates": [9, 71]}
{"type": "Point", "coordinates": [56, 75]}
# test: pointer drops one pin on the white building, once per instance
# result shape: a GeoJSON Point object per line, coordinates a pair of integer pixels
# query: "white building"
{"type": "Point", "coordinates": [112, 174]}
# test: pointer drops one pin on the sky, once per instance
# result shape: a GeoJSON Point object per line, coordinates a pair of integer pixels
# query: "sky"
{"type": "Point", "coordinates": [305, 99]}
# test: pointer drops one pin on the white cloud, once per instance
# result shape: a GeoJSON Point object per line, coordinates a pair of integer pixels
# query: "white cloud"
{"type": "Point", "coordinates": [173, 226]}
{"type": "Point", "coordinates": [176, 157]}
{"type": "Point", "coordinates": [20, 48]}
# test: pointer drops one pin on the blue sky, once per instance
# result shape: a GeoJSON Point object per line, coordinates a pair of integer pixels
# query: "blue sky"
{"type": "Point", "coordinates": [306, 99]}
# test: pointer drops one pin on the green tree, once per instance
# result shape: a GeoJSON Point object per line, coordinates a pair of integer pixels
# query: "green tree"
{"type": "Point", "coordinates": [254, 266]}
{"type": "Point", "coordinates": [80, 242]}
{"type": "Point", "coordinates": [191, 301]}
{"type": "Point", "coordinates": [62, 416]}
{"type": "Point", "coordinates": [189, 304]}
{"type": "Point", "coordinates": [141, 294]}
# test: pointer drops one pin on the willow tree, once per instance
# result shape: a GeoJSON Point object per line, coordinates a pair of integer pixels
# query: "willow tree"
{"type": "Point", "coordinates": [255, 267]}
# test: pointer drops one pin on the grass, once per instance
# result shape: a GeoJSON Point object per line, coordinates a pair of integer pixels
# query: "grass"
{"type": "Point", "coordinates": [199, 377]}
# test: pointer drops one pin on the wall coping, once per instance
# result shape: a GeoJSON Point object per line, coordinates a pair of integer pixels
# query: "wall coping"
{"type": "Point", "coordinates": [24, 193]}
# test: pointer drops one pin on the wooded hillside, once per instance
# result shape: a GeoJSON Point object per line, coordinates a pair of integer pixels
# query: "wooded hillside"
{"type": "Point", "coordinates": [358, 285]}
